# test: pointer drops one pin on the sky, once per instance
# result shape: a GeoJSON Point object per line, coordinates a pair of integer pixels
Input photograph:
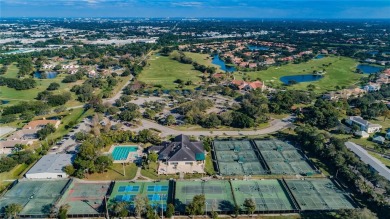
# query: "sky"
{"type": "Point", "coordinates": [332, 9]}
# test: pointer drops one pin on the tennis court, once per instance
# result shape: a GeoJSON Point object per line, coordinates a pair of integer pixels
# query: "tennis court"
{"type": "Point", "coordinates": [232, 145]}
{"type": "Point", "coordinates": [37, 197]}
{"type": "Point", "coordinates": [156, 192]}
{"type": "Point", "coordinates": [319, 194]}
{"type": "Point", "coordinates": [218, 194]}
{"type": "Point", "coordinates": [85, 198]}
{"type": "Point", "coordinates": [269, 195]}
{"type": "Point", "coordinates": [237, 158]}
{"type": "Point", "coordinates": [283, 158]}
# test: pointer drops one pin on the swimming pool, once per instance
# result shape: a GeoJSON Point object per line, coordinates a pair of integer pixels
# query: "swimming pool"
{"type": "Point", "coordinates": [122, 152]}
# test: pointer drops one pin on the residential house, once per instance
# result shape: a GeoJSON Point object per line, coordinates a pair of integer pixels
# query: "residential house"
{"type": "Point", "coordinates": [246, 86]}
{"type": "Point", "coordinates": [23, 134]}
{"type": "Point", "coordinates": [362, 134]}
{"type": "Point", "coordinates": [387, 136]}
{"type": "Point", "coordinates": [180, 156]}
{"type": "Point", "coordinates": [372, 87]}
{"type": "Point", "coordinates": [379, 139]}
{"type": "Point", "coordinates": [6, 147]}
{"type": "Point", "coordinates": [38, 124]}
{"type": "Point", "coordinates": [364, 125]}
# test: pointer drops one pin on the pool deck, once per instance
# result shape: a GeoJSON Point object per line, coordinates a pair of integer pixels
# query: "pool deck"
{"type": "Point", "coordinates": [130, 156]}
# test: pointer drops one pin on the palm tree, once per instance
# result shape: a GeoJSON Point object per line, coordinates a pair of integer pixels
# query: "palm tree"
{"type": "Point", "coordinates": [120, 209]}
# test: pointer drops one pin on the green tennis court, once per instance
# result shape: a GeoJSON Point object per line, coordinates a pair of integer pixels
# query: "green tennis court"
{"type": "Point", "coordinates": [269, 195]}
{"type": "Point", "coordinates": [37, 197]}
{"type": "Point", "coordinates": [85, 198]}
{"type": "Point", "coordinates": [237, 158]}
{"type": "Point", "coordinates": [319, 194]}
{"type": "Point", "coordinates": [218, 194]}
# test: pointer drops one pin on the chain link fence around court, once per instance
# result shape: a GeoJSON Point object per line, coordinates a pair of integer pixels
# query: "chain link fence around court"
{"type": "Point", "coordinates": [319, 194]}
{"type": "Point", "coordinates": [269, 196]}
{"type": "Point", "coordinates": [85, 198]}
{"type": "Point", "coordinates": [218, 195]}
{"type": "Point", "coordinates": [284, 159]}
{"type": "Point", "coordinates": [237, 158]}
{"type": "Point", "coordinates": [37, 197]}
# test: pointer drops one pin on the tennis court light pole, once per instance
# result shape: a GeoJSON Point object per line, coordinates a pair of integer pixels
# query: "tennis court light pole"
{"type": "Point", "coordinates": [206, 209]}
{"type": "Point", "coordinates": [161, 202]}
{"type": "Point", "coordinates": [123, 164]}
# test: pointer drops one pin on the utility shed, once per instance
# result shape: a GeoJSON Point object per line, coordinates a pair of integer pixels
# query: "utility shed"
{"type": "Point", "coordinates": [364, 156]}
{"type": "Point", "coordinates": [50, 167]}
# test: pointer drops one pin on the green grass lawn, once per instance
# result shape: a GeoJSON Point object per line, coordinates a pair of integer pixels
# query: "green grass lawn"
{"type": "Point", "coordinates": [115, 173]}
{"type": "Point", "coordinates": [7, 177]}
{"type": "Point", "coordinates": [162, 70]}
{"type": "Point", "coordinates": [15, 96]}
{"type": "Point", "coordinates": [340, 73]}
{"type": "Point", "coordinates": [203, 59]}
{"type": "Point", "coordinates": [209, 168]}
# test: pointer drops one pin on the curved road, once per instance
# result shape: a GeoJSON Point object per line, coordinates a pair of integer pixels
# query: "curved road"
{"type": "Point", "coordinates": [275, 125]}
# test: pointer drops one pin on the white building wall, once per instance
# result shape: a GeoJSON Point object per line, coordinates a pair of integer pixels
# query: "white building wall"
{"type": "Point", "coordinates": [46, 175]}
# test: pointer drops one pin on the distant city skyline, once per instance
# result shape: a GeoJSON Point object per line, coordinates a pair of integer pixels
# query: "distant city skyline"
{"type": "Point", "coordinates": [311, 9]}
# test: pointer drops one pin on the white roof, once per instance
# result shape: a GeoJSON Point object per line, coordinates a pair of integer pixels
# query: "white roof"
{"type": "Point", "coordinates": [368, 159]}
{"type": "Point", "coordinates": [52, 163]}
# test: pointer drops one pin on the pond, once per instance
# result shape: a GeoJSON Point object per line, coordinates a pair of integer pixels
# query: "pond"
{"type": "Point", "coordinates": [300, 78]}
{"type": "Point", "coordinates": [221, 63]}
{"type": "Point", "coordinates": [49, 75]}
{"type": "Point", "coordinates": [369, 69]}
{"type": "Point", "coordinates": [373, 52]}
{"type": "Point", "coordinates": [261, 48]}
{"type": "Point", "coordinates": [4, 101]}
{"type": "Point", "coordinates": [320, 56]}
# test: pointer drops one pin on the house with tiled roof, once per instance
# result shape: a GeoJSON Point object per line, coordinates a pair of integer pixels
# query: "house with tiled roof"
{"type": "Point", "coordinates": [246, 86]}
{"type": "Point", "coordinates": [36, 124]}
{"type": "Point", "coordinates": [180, 156]}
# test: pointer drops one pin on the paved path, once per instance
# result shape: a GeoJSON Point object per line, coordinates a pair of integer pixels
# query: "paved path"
{"type": "Point", "coordinates": [275, 125]}
{"type": "Point", "coordinates": [139, 175]}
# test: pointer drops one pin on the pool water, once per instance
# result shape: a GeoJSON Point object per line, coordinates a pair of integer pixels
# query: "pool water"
{"type": "Point", "coordinates": [122, 152]}
{"type": "Point", "coordinates": [319, 56]}
{"type": "Point", "coordinates": [256, 48]}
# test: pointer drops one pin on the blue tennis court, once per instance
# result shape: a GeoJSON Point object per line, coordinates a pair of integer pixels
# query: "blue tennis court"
{"type": "Point", "coordinates": [128, 189]}
{"type": "Point", "coordinates": [122, 152]}
{"type": "Point", "coordinates": [157, 197]}
{"type": "Point", "coordinates": [157, 188]}
{"type": "Point", "coordinates": [127, 198]}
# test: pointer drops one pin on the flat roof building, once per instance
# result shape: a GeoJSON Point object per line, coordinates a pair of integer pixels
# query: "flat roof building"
{"type": "Point", "coordinates": [50, 167]}
{"type": "Point", "coordinates": [368, 159]}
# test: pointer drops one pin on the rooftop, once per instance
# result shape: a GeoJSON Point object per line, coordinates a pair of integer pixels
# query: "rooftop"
{"type": "Point", "coordinates": [368, 159]}
{"type": "Point", "coordinates": [52, 163]}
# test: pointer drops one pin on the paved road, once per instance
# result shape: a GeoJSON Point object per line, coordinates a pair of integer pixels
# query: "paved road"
{"type": "Point", "coordinates": [275, 125]}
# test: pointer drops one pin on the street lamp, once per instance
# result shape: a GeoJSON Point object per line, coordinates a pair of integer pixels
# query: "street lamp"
{"type": "Point", "coordinates": [161, 202]}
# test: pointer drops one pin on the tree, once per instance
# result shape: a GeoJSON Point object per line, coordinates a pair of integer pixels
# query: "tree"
{"type": "Point", "coordinates": [47, 130]}
{"type": "Point", "coordinates": [358, 214]}
{"type": "Point", "coordinates": [140, 203]}
{"type": "Point", "coordinates": [152, 157]}
{"type": "Point", "coordinates": [120, 209]}
{"type": "Point", "coordinates": [249, 205]}
{"type": "Point", "coordinates": [197, 206]}
{"type": "Point", "coordinates": [170, 210]}
{"type": "Point", "coordinates": [62, 213]}
{"type": "Point", "coordinates": [102, 163]}
{"type": "Point", "coordinates": [386, 115]}
{"type": "Point", "coordinates": [150, 212]}
{"type": "Point", "coordinates": [53, 86]}
{"type": "Point", "coordinates": [12, 211]}
{"type": "Point", "coordinates": [69, 169]}
{"type": "Point", "coordinates": [170, 120]}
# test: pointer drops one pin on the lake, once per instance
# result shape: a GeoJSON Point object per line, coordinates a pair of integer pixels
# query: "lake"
{"type": "Point", "coordinates": [254, 48]}
{"type": "Point", "coordinates": [222, 65]}
{"type": "Point", "coordinates": [320, 56]}
{"type": "Point", "coordinates": [300, 78]}
{"type": "Point", "coordinates": [369, 69]}
{"type": "Point", "coordinates": [49, 75]}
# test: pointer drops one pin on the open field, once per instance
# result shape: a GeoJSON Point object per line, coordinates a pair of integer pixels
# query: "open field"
{"type": "Point", "coordinates": [203, 59]}
{"type": "Point", "coordinates": [115, 173]}
{"type": "Point", "coordinates": [15, 96]}
{"type": "Point", "coordinates": [340, 72]}
{"type": "Point", "coordinates": [162, 70]}
{"type": "Point", "coordinates": [6, 178]}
